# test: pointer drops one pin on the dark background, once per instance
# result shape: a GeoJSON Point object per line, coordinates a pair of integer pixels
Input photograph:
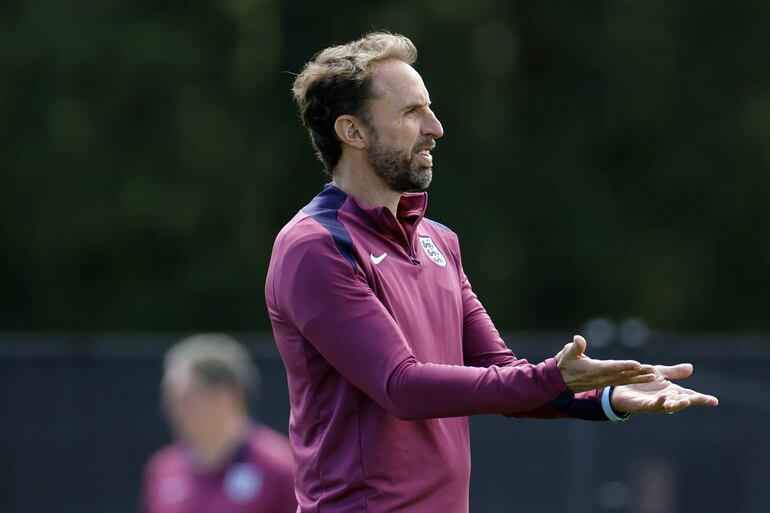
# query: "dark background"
{"type": "Point", "coordinates": [602, 159]}
{"type": "Point", "coordinates": [80, 417]}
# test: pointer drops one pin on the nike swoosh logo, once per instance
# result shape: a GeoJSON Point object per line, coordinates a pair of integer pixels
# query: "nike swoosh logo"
{"type": "Point", "coordinates": [377, 260]}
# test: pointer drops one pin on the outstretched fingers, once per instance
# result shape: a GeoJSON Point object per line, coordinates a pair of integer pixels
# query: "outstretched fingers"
{"type": "Point", "coordinates": [681, 398]}
{"type": "Point", "coordinates": [637, 379]}
{"type": "Point", "coordinates": [674, 405]}
{"type": "Point", "coordinates": [699, 399]}
{"type": "Point", "coordinates": [623, 366]}
{"type": "Point", "coordinates": [627, 372]}
{"type": "Point", "coordinates": [679, 371]}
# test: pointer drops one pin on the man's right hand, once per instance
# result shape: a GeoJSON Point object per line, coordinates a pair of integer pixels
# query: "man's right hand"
{"type": "Point", "coordinates": [582, 373]}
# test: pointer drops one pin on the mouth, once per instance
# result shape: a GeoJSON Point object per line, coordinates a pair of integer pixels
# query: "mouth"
{"type": "Point", "coordinates": [425, 157]}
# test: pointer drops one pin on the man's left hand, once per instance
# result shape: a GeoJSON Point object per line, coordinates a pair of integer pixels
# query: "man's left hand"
{"type": "Point", "coordinates": [660, 395]}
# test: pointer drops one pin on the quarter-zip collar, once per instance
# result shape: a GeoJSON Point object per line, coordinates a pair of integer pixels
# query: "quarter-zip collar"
{"type": "Point", "coordinates": [403, 226]}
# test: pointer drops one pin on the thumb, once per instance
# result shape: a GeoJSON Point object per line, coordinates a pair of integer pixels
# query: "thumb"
{"type": "Point", "coordinates": [575, 348]}
{"type": "Point", "coordinates": [579, 345]}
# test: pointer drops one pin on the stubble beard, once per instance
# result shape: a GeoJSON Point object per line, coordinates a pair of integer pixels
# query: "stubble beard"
{"type": "Point", "coordinates": [398, 170]}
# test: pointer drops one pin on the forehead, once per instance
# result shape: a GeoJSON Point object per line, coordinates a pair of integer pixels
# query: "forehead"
{"type": "Point", "coordinates": [395, 81]}
{"type": "Point", "coordinates": [178, 380]}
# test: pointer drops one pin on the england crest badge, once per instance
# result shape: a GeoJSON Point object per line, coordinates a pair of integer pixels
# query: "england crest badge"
{"type": "Point", "coordinates": [432, 251]}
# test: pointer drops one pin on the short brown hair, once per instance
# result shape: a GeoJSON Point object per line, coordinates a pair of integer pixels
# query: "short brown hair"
{"type": "Point", "coordinates": [338, 81]}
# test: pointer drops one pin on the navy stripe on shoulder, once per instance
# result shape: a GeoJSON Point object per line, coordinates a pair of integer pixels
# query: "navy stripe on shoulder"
{"type": "Point", "coordinates": [439, 225]}
{"type": "Point", "coordinates": [323, 208]}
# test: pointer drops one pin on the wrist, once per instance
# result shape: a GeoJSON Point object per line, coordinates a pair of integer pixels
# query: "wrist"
{"type": "Point", "coordinates": [611, 413]}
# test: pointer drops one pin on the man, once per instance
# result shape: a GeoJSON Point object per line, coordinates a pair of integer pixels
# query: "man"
{"type": "Point", "coordinates": [222, 461]}
{"type": "Point", "coordinates": [386, 347]}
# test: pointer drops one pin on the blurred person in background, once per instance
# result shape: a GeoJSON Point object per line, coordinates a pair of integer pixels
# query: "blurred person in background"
{"type": "Point", "coordinates": [387, 349]}
{"type": "Point", "coordinates": [221, 461]}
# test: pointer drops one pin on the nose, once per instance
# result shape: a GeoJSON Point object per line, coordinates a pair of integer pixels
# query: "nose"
{"type": "Point", "coordinates": [432, 126]}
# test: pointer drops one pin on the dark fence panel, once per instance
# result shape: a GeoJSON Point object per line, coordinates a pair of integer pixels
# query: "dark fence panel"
{"type": "Point", "coordinates": [80, 416]}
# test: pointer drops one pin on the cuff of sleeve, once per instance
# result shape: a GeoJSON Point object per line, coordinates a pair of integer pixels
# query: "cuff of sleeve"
{"type": "Point", "coordinates": [553, 375]}
{"type": "Point", "coordinates": [607, 407]}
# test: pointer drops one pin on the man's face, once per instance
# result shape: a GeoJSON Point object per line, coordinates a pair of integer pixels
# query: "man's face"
{"type": "Point", "coordinates": [402, 128]}
{"type": "Point", "coordinates": [191, 408]}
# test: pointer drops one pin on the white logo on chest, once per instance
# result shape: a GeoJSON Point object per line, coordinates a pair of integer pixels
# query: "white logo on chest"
{"type": "Point", "coordinates": [432, 251]}
{"type": "Point", "coordinates": [378, 259]}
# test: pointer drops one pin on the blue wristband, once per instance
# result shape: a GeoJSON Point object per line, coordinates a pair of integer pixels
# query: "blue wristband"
{"type": "Point", "coordinates": [607, 407]}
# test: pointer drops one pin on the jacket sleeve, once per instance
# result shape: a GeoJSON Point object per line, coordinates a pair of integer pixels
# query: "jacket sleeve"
{"type": "Point", "coordinates": [483, 347]}
{"type": "Point", "coordinates": [332, 306]}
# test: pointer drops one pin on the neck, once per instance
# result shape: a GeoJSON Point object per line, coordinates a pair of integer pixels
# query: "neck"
{"type": "Point", "coordinates": [358, 180]}
{"type": "Point", "coordinates": [214, 448]}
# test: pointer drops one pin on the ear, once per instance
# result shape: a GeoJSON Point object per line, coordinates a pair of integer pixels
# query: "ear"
{"type": "Point", "coordinates": [351, 131]}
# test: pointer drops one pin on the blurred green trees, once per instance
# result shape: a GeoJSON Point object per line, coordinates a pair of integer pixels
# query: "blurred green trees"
{"type": "Point", "coordinates": [608, 158]}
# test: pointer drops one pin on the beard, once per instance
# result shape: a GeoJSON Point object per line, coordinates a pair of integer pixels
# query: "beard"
{"type": "Point", "coordinates": [397, 169]}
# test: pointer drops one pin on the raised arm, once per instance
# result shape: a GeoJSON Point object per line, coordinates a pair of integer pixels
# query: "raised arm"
{"type": "Point", "coordinates": [332, 306]}
{"type": "Point", "coordinates": [319, 293]}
